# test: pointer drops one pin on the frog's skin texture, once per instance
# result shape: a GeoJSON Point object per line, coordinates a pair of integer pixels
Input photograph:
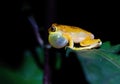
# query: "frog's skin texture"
{"type": "Point", "coordinates": [63, 35]}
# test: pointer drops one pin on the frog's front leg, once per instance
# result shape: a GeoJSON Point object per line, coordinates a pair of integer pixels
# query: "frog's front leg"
{"type": "Point", "coordinates": [70, 41]}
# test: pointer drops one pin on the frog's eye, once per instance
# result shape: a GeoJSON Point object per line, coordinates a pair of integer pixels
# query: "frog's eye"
{"type": "Point", "coordinates": [53, 29]}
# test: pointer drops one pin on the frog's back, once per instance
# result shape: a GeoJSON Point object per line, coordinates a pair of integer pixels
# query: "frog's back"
{"type": "Point", "coordinates": [77, 34]}
{"type": "Point", "coordinates": [69, 29]}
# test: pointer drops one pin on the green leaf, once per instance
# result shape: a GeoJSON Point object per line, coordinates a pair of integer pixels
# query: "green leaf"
{"type": "Point", "coordinates": [108, 48]}
{"type": "Point", "coordinates": [106, 45]}
{"type": "Point", "coordinates": [40, 53]}
{"type": "Point", "coordinates": [58, 61]}
{"type": "Point", "coordinates": [101, 66]}
{"type": "Point", "coordinates": [28, 73]}
{"type": "Point", "coordinates": [7, 76]}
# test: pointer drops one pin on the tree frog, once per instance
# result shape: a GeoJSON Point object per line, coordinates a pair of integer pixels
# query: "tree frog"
{"type": "Point", "coordinates": [64, 35]}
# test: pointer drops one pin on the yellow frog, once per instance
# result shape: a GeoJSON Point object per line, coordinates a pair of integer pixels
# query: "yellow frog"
{"type": "Point", "coordinates": [65, 35]}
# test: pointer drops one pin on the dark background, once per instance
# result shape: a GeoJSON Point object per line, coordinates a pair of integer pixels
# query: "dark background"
{"type": "Point", "coordinates": [100, 18]}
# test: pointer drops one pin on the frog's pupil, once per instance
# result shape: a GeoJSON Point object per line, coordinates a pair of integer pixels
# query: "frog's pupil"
{"type": "Point", "coordinates": [53, 29]}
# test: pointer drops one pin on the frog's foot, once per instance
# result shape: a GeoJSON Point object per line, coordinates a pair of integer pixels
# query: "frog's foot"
{"type": "Point", "coordinates": [87, 47]}
{"type": "Point", "coordinates": [75, 48]}
{"type": "Point", "coordinates": [81, 48]}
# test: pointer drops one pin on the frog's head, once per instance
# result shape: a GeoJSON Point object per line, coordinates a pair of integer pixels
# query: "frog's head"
{"type": "Point", "coordinates": [56, 38]}
{"type": "Point", "coordinates": [53, 28]}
